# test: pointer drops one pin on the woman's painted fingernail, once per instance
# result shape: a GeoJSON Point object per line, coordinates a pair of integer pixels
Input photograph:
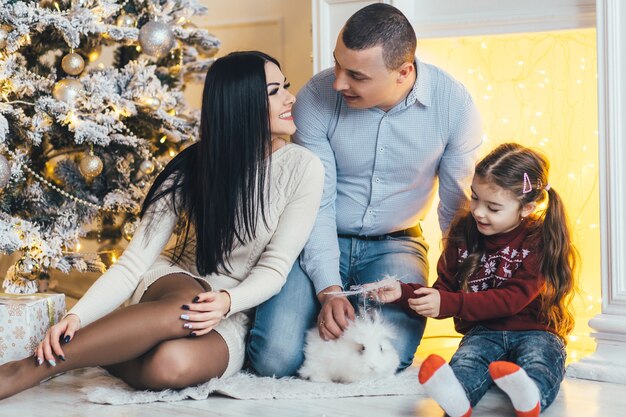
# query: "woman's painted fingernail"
{"type": "Point", "coordinates": [62, 358]}
{"type": "Point", "coordinates": [185, 307]}
{"type": "Point", "coordinates": [187, 326]}
{"type": "Point", "coordinates": [67, 339]}
{"type": "Point", "coordinates": [184, 316]}
{"type": "Point", "coordinates": [52, 362]}
{"type": "Point", "coordinates": [193, 334]}
{"type": "Point", "coordinates": [39, 361]}
{"type": "Point", "coordinates": [196, 299]}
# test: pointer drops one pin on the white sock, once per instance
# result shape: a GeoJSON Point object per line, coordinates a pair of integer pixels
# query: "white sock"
{"type": "Point", "coordinates": [520, 388]}
{"type": "Point", "coordinates": [441, 385]}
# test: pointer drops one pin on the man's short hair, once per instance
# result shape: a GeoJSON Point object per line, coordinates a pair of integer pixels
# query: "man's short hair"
{"type": "Point", "coordinates": [382, 24]}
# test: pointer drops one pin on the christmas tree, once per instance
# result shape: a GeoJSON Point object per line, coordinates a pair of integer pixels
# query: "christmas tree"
{"type": "Point", "coordinates": [81, 139]}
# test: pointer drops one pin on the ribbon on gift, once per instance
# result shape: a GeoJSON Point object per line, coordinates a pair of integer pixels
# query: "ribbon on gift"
{"type": "Point", "coordinates": [29, 297]}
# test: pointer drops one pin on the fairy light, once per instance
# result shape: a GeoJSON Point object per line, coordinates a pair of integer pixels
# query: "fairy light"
{"type": "Point", "coordinates": [543, 98]}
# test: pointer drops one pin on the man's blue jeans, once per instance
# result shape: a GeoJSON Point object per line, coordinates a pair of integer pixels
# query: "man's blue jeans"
{"type": "Point", "coordinates": [276, 340]}
{"type": "Point", "coordinates": [540, 353]}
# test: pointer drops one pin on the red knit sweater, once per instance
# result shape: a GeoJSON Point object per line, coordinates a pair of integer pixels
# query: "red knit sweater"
{"type": "Point", "coordinates": [503, 294]}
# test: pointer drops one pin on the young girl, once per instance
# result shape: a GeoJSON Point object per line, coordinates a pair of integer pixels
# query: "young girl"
{"type": "Point", "coordinates": [506, 275]}
{"type": "Point", "coordinates": [187, 320]}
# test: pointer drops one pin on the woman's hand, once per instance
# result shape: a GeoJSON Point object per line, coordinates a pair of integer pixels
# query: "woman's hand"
{"type": "Point", "coordinates": [51, 343]}
{"type": "Point", "coordinates": [387, 294]}
{"type": "Point", "coordinates": [206, 311]}
{"type": "Point", "coordinates": [427, 303]}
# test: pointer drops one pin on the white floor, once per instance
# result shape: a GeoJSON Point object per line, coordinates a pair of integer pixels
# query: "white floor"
{"type": "Point", "coordinates": [61, 397]}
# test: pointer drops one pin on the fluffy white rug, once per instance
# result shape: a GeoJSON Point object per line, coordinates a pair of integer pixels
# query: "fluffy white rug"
{"type": "Point", "coordinates": [102, 388]}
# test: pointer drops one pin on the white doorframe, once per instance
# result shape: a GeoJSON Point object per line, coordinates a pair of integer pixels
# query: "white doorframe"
{"type": "Point", "coordinates": [608, 362]}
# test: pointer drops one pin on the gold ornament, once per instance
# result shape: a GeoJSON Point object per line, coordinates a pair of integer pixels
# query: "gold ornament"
{"type": "Point", "coordinates": [5, 171]}
{"type": "Point", "coordinates": [6, 87]}
{"type": "Point", "coordinates": [94, 54]}
{"type": "Point", "coordinates": [90, 166]}
{"type": "Point", "coordinates": [27, 266]}
{"type": "Point", "coordinates": [125, 21]}
{"type": "Point", "coordinates": [109, 254]}
{"type": "Point", "coordinates": [129, 227]}
{"type": "Point", "coordinates": [156, 39]}
{"type": "Point", "coordinates": [152, 103]}
{"type": "Point", "coordinates": [73, 63]}
{"type": "Point", "coordinates": [67, 90]}
{"type": "Point", "coordinates": [147, 166]}
{"type": "Point", "coordinates": [4, 37]}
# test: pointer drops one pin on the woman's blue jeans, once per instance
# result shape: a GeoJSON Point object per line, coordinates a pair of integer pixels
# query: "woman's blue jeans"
{"type": "Point", "coordinates": [276, 340]}
{"type": "Point", "coordinates": [540, 353]}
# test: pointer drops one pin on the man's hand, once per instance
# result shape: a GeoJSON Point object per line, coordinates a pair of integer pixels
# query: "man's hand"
{"type": "Point", "coordinates": [335, 315]}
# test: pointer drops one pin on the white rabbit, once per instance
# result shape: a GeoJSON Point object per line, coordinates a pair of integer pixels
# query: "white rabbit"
{"type": "Point", "coordinates": [364, 351]}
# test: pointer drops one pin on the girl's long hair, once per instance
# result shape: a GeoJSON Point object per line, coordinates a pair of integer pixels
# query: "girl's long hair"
{"type": "Point", "coordinates": [506, 167]}
{"type": "Point", "coordinates": [217, 185]}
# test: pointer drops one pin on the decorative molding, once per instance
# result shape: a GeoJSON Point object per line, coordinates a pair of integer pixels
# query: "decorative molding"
{"type": "Point", "coordinates": [608, 362]}
{"type": "Point", "coordinates": [470, 23]}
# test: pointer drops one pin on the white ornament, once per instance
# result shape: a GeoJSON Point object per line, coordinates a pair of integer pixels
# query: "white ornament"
{"type": "Point", "coordinates": [90, 166]}
{"type": "Point", "coordinates": [156, 39]}
{"type": "Point", "coordinates": [67, 90]}
{"type": "Point", "coordinates": [73, 63]}
{"type": "Point", "coordinates": [5, 172]}
{"type": "Point", "coordinates": [147, 166]}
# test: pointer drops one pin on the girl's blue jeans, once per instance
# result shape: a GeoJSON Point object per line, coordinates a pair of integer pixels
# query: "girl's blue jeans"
{"type": "Point", "coordinates": [540, 353]}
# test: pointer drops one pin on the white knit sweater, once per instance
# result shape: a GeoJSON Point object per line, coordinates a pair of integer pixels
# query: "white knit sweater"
{"type": "Point", "coordinates": [258, 269]}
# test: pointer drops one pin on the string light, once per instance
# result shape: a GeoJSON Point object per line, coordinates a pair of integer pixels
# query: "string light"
{"type": "Point", "coordinates": [538, 89]}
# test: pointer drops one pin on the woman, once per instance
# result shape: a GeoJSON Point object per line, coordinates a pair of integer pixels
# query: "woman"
{"type": "Point", "coordinates": [243, 202]}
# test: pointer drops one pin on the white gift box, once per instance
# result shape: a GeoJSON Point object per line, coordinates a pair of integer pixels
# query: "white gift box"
{"type": "Point", "coordinates": [24, 320]}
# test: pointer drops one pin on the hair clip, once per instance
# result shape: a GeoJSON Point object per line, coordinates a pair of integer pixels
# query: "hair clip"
{"type": "Point", "coordinates": [528, 187]}
{"type": "Point", "coordinates": [547, 187]}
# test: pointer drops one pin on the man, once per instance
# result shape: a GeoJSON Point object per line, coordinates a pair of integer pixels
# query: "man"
{"type": "Point", "coordinates": [388, 129]}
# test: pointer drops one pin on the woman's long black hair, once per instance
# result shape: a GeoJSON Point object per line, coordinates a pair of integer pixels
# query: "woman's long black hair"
{"type": "Point", "coordinates": [217, 185]}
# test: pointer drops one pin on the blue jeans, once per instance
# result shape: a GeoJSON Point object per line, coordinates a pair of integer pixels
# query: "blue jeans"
{"type": "Point", "coordinates": [540, 353]}
{"type": "Point", "coordinates": [276, 340]}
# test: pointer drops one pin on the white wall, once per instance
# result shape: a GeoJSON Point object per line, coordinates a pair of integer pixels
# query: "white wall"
{"type": "Point", "coordinates": [281, 28]}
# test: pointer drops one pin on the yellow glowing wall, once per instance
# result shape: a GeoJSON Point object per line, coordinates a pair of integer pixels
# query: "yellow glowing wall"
{"type": "Point", "coordinates": [539, 89]}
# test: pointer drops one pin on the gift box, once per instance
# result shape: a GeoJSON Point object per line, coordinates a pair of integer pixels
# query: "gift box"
{"type": "Point", "coordinates": [24, 320]}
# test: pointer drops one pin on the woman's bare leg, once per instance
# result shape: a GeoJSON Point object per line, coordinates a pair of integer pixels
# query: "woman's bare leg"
{"type": "Point", "coordinates": [127, 334]}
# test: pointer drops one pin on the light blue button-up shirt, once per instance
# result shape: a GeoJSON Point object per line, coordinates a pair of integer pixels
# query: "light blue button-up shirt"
{"type": "Point", "coordinates": [383, 168]}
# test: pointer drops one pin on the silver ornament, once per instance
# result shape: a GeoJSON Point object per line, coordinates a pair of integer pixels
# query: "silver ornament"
{"type": "Point", "coordinates": [4, 36]}
{"type": "Point", "coordinates": [156, 39]}
{"type": "Point", "coordinates": [5, 172]}
{"type": "Point", "coordinates": [129, 227]}
{"type": "Point", "coordinates": [73, 63]}
{"type": "Point", "coordinates": [67, 90]}
{"type": "Point", "coordinates": [90, 166]}
{"type": "Point", "coordinates": [147, 166]}
{"type": "Point", "coordinates": [125, 21]}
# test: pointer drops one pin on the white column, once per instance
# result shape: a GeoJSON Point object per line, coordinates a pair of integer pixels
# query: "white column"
{"type": "Point", "coordinates": [608, 362]}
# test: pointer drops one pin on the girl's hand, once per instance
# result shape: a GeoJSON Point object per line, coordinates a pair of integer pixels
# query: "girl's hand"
{"type": "Point", "coordinates": [51, 343]}
{"type": "Point", "coordinates": [386, 294]}
{"type": "Point", "coordinates": [427, 303]}
{"type": "Point", "coordinates": [206, 311]}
